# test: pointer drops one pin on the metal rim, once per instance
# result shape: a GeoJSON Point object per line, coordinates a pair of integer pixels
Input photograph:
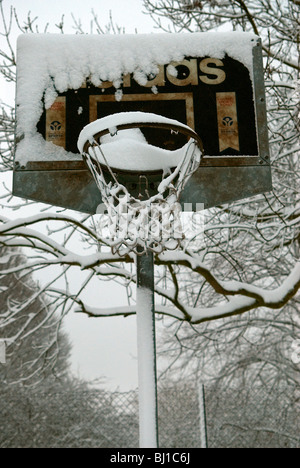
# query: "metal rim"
{"type": "Point", "coordinates": [166, 126]}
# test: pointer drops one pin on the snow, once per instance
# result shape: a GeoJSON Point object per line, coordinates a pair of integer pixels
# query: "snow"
{"type": "Point", "coordinates": [36, 148]}
{"type": "Point", "coordinates": [129, 154]}
{"type": "Point", "coordinates": [111, 122]}
{"type": "Point", "coordinates": [2, 351]}
{"type": "Point", "coordinates": [270, 297]}
{"type": "Point", "coordinates": [130, 133]}
{"type": "Point", "coordinates": [146, 367]}
{"type": "Point", "coordinates": [48, 64]}
{"type": "Point", "coordinates": [239, 296]}
{"type": "Point", "coordinates": [128, 149]}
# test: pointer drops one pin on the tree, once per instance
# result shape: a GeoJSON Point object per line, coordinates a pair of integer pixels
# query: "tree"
{"type": "Point", "coordinates": [72, 415]}
{"type": "Point", "coordinates": [248, 257]}
{"type": "Point", "coordinates": [265, 231]}
{"type": "Point", "coordinates": [37, 348]}
{"type": "Point", "coordinates": [41, 404]}
{"type": "Point", "coordinates": [257, 240]}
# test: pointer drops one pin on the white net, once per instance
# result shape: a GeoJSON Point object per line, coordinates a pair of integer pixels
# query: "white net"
{"type": "Point", "coordinates": [148, 219]}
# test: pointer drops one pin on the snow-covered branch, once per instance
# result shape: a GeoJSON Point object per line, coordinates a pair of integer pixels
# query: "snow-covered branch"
{"type": "Point", "coordinates": [239, 297]}
{"type": "Point", "coordinates": [247, 256]}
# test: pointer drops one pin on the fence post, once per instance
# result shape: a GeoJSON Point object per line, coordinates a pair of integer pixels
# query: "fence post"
{"type": "Point", "coordinates": [147, 379]}
{"type": "Point", "coordinates": [202, 416]}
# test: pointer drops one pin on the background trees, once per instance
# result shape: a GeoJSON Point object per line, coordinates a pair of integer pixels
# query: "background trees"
{"type": "Point", "coordinates": [246, 260]}
{"type": "Point", "coordinates": [247, 257]}
{"type": "Point", "coordinates": [255, 240]}
{"type": "Point", "coordinates": [258, 218]}
{"type": "Point", "coordinates": [36, 347]}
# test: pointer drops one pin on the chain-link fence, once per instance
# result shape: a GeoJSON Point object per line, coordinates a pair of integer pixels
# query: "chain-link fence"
{"type": "Point", "coordinates": [76, 418]}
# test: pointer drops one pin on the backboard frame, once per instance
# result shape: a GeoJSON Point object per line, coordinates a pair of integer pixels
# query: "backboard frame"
{"type": "Point", "coordinates": [220, 179]}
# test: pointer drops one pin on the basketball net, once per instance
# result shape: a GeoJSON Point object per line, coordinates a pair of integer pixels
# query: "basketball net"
{"type": "Point", "coordinates": [147, 221]}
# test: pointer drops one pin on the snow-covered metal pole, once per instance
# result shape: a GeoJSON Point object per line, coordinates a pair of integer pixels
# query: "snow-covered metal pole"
{"type": "Point", "coordinates": [147, 379]}
{"type": "Point", "coordinates": [202, 416]}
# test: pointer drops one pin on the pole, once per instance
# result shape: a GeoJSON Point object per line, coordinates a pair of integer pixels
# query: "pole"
{"type": "Point", "coordinates": [147, 379]}
{"type": "Point", "coordinates": [202, 416]}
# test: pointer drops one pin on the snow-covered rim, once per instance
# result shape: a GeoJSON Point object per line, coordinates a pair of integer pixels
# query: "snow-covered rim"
{"type": "Point", "coordinates": [111, 124]}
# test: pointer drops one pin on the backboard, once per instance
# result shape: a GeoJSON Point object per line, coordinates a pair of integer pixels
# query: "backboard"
{"type": "Point", "coordinates": [213, 82]}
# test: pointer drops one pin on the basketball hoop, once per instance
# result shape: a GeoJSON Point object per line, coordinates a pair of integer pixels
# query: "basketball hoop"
{"type": "Point", "coordinates": [140, 184]}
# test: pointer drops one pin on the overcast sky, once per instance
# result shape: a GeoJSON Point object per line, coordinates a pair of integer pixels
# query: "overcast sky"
{"type": "Point", "coordinates": [127, 13]}
{"type": "Point", "coordinates": [103, 347]}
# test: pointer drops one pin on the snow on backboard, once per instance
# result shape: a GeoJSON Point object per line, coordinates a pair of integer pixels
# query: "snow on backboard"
{"type": "Point", "coordinates": [213, 82]}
